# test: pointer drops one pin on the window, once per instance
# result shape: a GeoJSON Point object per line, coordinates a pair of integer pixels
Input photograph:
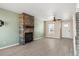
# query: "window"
{"type": "Point", "coordinates": [50, 27]}
{"type": "Point", "coordinates": [65, 25]}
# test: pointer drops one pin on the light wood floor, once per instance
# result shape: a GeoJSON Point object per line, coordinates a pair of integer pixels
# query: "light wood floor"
{"type": "Point", "coordinates": [42, 47]}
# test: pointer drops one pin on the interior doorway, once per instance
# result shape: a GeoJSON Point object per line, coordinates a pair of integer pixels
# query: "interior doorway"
{"type": "Point", "coordinates": [53, 29]}
{"type": "Point", "coordinates": [58, 29]}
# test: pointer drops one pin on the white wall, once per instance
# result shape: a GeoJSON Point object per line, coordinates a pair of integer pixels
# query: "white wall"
{"type": "Point", "coordinates": [67, 31]}
{"type": "Point", "coordinates": [74, 33]}
{"type": "Point", "coordinates": [38, 28]}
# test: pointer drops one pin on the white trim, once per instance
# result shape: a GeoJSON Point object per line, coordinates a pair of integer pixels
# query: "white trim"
{"type": "Point", "coordinates": [74, 34]}
{"type": "Point", "coordinates": [67, 38]}
{"type": "Point", "coordinates": [38, 38]}
{"type": "Point", "coordinates": [9, 46]}
{"type": "Point", "coordinates": [74, 44]}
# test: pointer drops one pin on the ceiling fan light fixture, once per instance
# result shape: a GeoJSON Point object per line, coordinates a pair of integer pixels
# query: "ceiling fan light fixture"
{"type": "Point", "coordinates": [54, 19]}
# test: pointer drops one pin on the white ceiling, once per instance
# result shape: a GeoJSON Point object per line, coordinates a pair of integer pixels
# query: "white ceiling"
{"type": "Point", "coordinates": [77, 7]}
{"type": "Point", "coordinates": [42, 10]}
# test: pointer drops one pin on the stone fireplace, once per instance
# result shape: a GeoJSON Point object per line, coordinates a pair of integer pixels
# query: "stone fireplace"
{"type": "Point", "coordinates": [26, 28]}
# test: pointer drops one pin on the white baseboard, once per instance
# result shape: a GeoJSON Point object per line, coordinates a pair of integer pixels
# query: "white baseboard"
{"type": "Point", "coordinates": [18, 43]}
{"type": "Point", "coordinates": [38, 38]}
{"type": "Point", "coordinates": [66, 38]}
{"type": "Point", "coordinates": [9, 46]}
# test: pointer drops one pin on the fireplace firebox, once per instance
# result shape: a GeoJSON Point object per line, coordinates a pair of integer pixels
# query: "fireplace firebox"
{"type": "Point", "coordinates": [28, 37]}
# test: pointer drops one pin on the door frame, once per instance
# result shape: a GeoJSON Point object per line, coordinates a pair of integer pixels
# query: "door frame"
{"type": "Point", "coordinates": [60, 29]}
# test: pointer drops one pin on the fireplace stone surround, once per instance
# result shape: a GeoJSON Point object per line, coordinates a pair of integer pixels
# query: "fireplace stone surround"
{"type": "Point", "coordinates": [26, 28]}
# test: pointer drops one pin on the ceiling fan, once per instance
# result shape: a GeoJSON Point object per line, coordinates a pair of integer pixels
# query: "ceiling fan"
{"type": "Point", "coordinates": [54, 19]}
